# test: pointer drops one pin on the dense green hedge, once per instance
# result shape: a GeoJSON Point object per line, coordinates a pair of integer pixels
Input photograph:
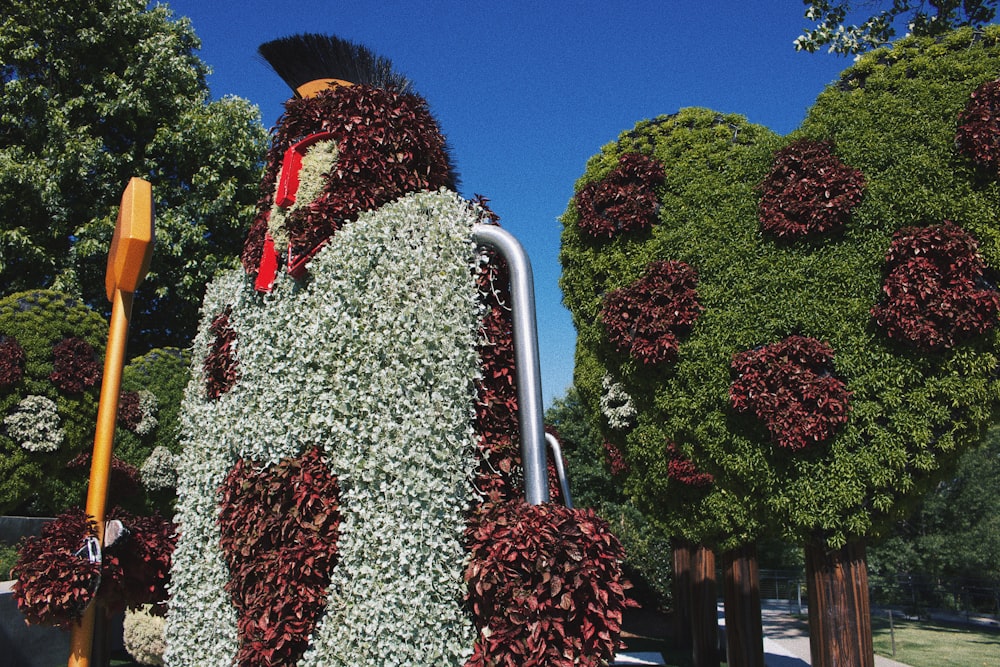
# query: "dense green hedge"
{"type": "Point", "coordinates": [38, 483]}
{"type": "Point", "coordinates": [893, 116]}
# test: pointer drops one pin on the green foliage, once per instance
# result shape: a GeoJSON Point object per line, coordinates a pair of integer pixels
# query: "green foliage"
{"type": "Point", "coordinates": [8, 558]}
{"type": "Point", "coordinates": [93, 93]}
{"type": "Point", "coordinates": [893, 116]}
{"type": "Point", "coordinates": [38, 483]}
{"type": "Point", "coordinates": [878, 29]}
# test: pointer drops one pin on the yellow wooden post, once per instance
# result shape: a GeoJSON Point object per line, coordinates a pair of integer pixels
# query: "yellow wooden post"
{"type": "Point", "coordinates": [128, 262]}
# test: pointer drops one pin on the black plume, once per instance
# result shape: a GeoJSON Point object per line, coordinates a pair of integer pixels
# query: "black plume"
{"type": "Point", "coordinates": [299, 59]}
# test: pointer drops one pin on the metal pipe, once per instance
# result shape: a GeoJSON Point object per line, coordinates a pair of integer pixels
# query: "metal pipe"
{"type": "Point", "coordinates": [526, 365]}
{"type": "Point", "coordinates": [560, 468]}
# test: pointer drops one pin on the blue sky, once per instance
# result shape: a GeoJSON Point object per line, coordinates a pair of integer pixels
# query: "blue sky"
{"type": "Point", "coordinates": [527, 91]}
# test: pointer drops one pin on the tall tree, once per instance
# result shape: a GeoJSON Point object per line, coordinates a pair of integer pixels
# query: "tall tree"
{"type": "Point", "coordinates": [919, 17]}
{"type": "Point", "coordinates": [94, 92]}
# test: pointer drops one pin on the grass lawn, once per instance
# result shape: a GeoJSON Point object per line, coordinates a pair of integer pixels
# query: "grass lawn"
{"type": "Point", "coordinates": [924, 644]}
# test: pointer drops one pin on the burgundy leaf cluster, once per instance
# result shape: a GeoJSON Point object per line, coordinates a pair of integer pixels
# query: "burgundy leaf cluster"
{"type": "Point", "coordinates": [74, 365]}
{"type": "Point", "coordinates": [124, 479]}
{"type": "Point", "coordinates": [615, 459]}
{"type": "Point", "coordinates": [646, 318]}
{"type": "Point", "coordinates": [129, 410]}
{"type": "Point", "coordinates": [808, 191]}
{"type": "Point", "coordinates": [56, 580]}
{"type": "Point", "coordinates": [788, 386]}
{"type": "Point", "coordinates": [221, 368]}
{"type": "Point", "coordinates": [978, 135]}
{"type": "Point", "coordinates": [12, 359]}
{"type": "Point", "coordinates": [388, 142]}
{"type": "Point", "coordinates": [683, 470]}
{"type": "Point", "coordinates": [623, 201]}
{"type": "Point", "coordinates": [934, 294]}
{"type": "Point", "coordinates": [279, 529]}
{"type": "Point", "coordinates": [545, 586]}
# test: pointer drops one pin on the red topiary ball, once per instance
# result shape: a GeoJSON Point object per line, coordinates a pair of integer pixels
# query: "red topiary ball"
{"type": "Point", "coordinates": [808, 191]}
{"type": "Point", "coordinates": [978, 135]}
{"type": "Point", "coordinates": [934, 292]}
{"type": "Point", "coordinates": [646, 318]}
{"type": "Point", "coordinates": [788, 386]}
{"type": "Point", "coordinates": [75, 365]}
{"type": "Point", "coordinates": [623, 201]}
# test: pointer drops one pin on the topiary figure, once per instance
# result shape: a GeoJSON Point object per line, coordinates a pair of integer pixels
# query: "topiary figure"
{"type": "Point", "coordinates": [846, 347]}
{"type": "Point", "coordinates": [51, 355]}
{"type": "Point", "coordinates": [352, 401]}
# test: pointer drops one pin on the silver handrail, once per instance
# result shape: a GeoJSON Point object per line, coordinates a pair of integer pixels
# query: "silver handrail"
{"type": "Point", "coordinates": [556, 448]}
{"type": "Point", "coordinates": [527, 368]}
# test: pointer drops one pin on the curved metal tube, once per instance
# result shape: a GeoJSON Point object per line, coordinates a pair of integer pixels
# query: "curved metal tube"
{"type": "Point", "coordinates": [560, 468]}
{"type": "Point", "coordinates": [526, 365]}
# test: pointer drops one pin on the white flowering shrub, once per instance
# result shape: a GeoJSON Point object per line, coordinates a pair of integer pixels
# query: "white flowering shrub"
{"type": "Point", "coordinates": [372, 357]}
{"type": "Point", "coordinates": [34, 424]}
{"type": "Point", "coordinates": [148, 405]}
{"type": "Point", "coordinates": [159, 471]}
{"type": "Point", "coordinates": [142, 634]}
{"type": "Point", "coordinates": [616, 405]}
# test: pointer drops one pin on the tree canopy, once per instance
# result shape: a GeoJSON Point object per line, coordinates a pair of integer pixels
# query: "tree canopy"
{"type": "Point", "coordinates": [921, 19]}
{"type": "Point", "coordinates": [93, 93]}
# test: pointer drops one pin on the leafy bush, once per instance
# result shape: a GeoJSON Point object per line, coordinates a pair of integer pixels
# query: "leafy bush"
{"type": "Point", "coordinates": [978, 135]}
{"type": "Point", "coordinates": [623, 201]}
{"type": "Point", "coordinates": [59, 366]}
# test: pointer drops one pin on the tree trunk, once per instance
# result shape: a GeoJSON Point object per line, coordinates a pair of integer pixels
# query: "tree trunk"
{"type": "Point", "coordinates": [840, 630]}
{"type": "Point", "coordinates": [682, 550]}
{"type": "Point", "coordinates": [704, 609]}
{"type": "Point", "coordinates": [744, 634]}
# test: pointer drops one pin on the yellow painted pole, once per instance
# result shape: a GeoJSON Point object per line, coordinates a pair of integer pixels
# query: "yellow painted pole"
{"type": "Point", "coordinates": [128, 262]}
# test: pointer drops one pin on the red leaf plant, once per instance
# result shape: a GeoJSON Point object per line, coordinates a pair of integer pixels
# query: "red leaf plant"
{"type": "Point", "coordinates": [934, 294]}
{"type": "Point", "coordinates": [646, 318]}
{"type": "Point", "coordinates": [129, 410]}
{"type": "Point", "coordinates": [279, 528]}
{"type": "Point", "coordinates": [808, 191]}
{"type": "Point", "coordinates": [75, 365]}
{"type": "Point", "coordinates": [615, 459]}
{"type": "Point", "coordinates": [682, 469]}
{"type": "Point", "coordinates": [12, 358]}
{"type": "Point", "coordinates": [788, 386]}
{"type": "Point", "coordinates": [221, 366]}
{"type": "Point", "coordinates": [56, 580]}
{"type": "Point", "coordinates": [388, 144]}
{"type": "Point", "coordinates": [623, 201]}
{"type": "Point", "coordinates": [124, 479]}
{"type": "Point", "coordinates": [978, 134]}
{"type": "Point", "coordinates": [545, 586]}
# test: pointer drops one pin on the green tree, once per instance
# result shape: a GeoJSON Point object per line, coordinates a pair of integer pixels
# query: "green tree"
{"type": "Point", "coordinates": [921, 18]}
{"type": "Point", "coordinates": [95, 92]}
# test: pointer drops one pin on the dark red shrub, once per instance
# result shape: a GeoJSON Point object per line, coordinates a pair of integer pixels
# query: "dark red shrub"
{"type": "Point", "coordinates": [623, 201]}
{"type": "Point", "coordinates": [12, 358]}
{"type": "Point", "coordinates": [934, 294]}
{"type": "Point", "coordinates": [389, 144]}
{"type": "Point", "coordinates": [808, 191]}
{"type": "Point", "coordinates": [615, 459]}
{"type": "Point", "coordinates": [221, 368]}
{"type": "Point", "coordinates": [545, 586]}
{"type": "Point", "coordinates": [279, 529]}
{"type": "Point", "coordinates": [646, 318]}
{"type": "Point", "coordinates": [788, 386]}
{"type": "Point", "coordinates": [682, 469]}
{"type": "Point", "coordinates": [978, 135]}
{"type": "Point", "coordinates": [56, 580]}
{"type": "Point", "coordinates": [124, 479]}
{"type": "Point", "coordinates": [129, 410]}
{"type": "Point", "coordinates": [74, 365]}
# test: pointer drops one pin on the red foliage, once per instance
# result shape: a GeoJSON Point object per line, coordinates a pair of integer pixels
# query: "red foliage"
{"type": "Point", "coordinates": [623, 201]}
{"type": "Point", "coordinates": [545, 586]}
{"type": "Point", "coordinates": [808, 191]}
{"type": "Point", "coordinates": [129, 412]}
{"type": "Point", "coordinates": [124, 479]}
{"type": "Point", "coordinates": [788, 386]}
{"type": "Point", "coordinates": [56, 580]}
{"type": "Point", "coordinates": [279, 528]}
{"type": "Point", "coordinates": [978, 134]}
{"type": "Point", "coordinates": [682, 469]}
{"type": "Point", "coordinates": [12, 358]}
{"type": "Point", "coordinates": [934, 292]}
{"type": "Point", "coordinates": [646, 318]}
{"type": "Point", "coordinates": [75, 367]}
{"type": "Point", "coordinates": [389, 144]}
{"type": "Point", "coordinates": [615, 459]}
{"type": "Point", "coordinates": [221, 368]}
